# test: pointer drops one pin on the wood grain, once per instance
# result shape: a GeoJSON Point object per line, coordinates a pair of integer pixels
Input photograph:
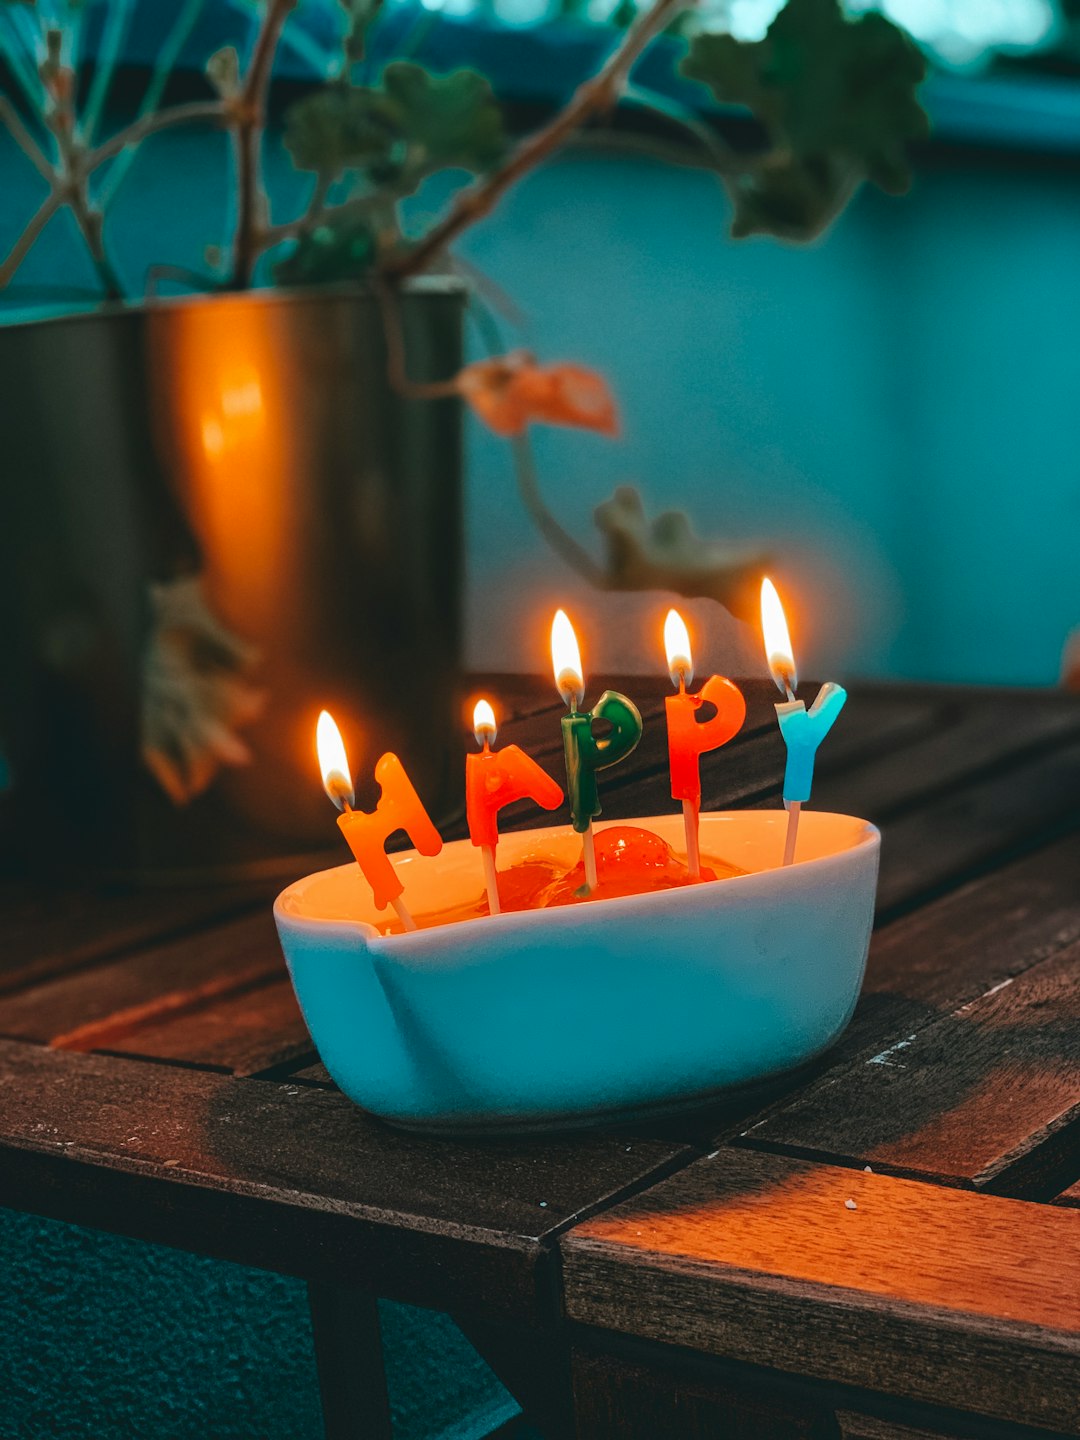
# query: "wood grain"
{"type": "Point", "coordinates": [48, 930]}
{"type": "Point", "coordinates": [969, 737]}
{"type": "Point", "coordinates": [617, 1399]}
{"type": "Point", "coordinates": [95, 1007]}
{"type": "Point", "coordinates": [942, 842]}
{"type": "Point", "coordinates": [298, 1179]}
{"type": "Point", "coordinates": [985, 1096]}
{"type": "Point", "coordinates": [251, 1030]}
{"type": "Point", "coordinates": [937, 1295]}
{"type": "Point", "coordinates": [853, 1426]}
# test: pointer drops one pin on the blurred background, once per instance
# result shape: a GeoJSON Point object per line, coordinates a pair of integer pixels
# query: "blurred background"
{"type": "Point", "coordinates": [889, 409]}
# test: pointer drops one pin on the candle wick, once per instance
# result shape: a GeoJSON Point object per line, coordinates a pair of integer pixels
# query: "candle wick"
{"type": "Point", "coordinates": [346, 806]}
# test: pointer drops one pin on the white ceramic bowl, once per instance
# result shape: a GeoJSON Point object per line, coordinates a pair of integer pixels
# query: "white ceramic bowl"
{"type": "Point", "coordinates": [558, 1017]}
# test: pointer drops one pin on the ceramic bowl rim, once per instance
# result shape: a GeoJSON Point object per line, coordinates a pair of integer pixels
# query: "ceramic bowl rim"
{"type": "Point", "coordinates": [625, 906]}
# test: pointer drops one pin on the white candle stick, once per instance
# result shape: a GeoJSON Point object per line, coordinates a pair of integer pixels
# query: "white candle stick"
{"type": "Point", "coordinates": [793, 809]}
{"type": "Point", "coordinates": [403, 913]}
{"type": "Point", "coordinates": [588, 855]}
{"type": "Point", "coordinates": [491, 880]}
{"type": "Point", "coordinates": [690, 825]}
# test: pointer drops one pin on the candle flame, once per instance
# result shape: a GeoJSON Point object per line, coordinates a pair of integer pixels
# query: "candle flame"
{"type": "Point", "coordinates": [566, 661]}
{"type": "Point", "coordinates": [333, 762]}
{"type": "Point", "coordinates": [777, 640]}
{"type": "Point", "coordinates": [680, 659]}
{"type": "Point", "coordinates": [483, 721]}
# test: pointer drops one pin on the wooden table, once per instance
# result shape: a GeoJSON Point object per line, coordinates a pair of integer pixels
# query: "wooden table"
{"type": "Point", "coordinates": [890, 1249]}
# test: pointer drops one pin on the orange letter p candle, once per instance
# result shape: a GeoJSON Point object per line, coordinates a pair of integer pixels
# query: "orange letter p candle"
{"type": "Point", "coordinates": [689, 739]}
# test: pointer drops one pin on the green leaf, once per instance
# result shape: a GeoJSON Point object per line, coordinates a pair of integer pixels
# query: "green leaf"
{"type": "Point", "coordinates": [332, 253]}
{"type": "Point", "coordinates": [452, 120]}
{"type": "Point", "coordinates": [340, 127]}
{"type": "Point", "coordinates": [837, 98]}
{"type": "Point", "coordinates": [408, 125]}
{"type": "Point", "coordinates": [359, 16]}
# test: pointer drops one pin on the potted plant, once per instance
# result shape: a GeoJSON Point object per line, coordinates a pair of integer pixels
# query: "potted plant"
{"type": "Point", "coordinates": [227, 510]}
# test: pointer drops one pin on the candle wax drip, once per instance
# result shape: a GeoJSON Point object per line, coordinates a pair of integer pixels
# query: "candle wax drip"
{"type": "Point", "coordinates": [629, 861]}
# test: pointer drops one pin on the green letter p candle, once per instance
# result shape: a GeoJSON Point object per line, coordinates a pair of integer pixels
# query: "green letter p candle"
{"type": "Point", "coordinates": [585, 754]}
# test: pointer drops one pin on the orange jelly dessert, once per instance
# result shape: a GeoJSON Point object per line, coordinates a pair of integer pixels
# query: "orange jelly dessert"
{"type": "Point", "coordinates": [629, 861]}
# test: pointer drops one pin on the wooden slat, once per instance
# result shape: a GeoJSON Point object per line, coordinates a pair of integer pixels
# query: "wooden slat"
{"type": "Point", "coordinates": [298, 1179]}
{"type": "Point", "coordinates": [970, 828]}
{"type": "Point", "coordinates": [971, 735]}
{"type": "Point", "coordinates": [620, 1399]}
{"type": "Point", "coordinates": [256, 1029]}
{"type": "Point", "coordinates": [930, 963]}
{"type": "Point", "coordinates": [853, 1426]}
{"type": "Point", "coordinates": [1070, 1197]}
{"type": "Point", "coordinates": [937, 1295]}
{"type": "Point", "coordinates": [349, 1359]}
{"type": "Point", "coordinates": [989, 1096]}
{"type": "Point", "coordinates": [96, 1007]}
{"type": "Point", "coordinates": [47, 931]}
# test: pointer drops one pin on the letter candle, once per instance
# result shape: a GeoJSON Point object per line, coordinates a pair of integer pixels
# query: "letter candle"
{"type": "Point", "coordinates": [803, 730]}
{"type": "Point", "coordinates": [584, 753]}
{"type": "Point", "coordinates": [399, 808]}
{"type": "Point", "coordinates": [494, 779]}
{"type": "Point", "coordinates": [688, 739]}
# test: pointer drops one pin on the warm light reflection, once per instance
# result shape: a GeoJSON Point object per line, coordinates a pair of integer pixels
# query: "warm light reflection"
{"type": "Point", "coordinates": [483, 720]}
{"type": "Point", "coordinates": [566, 660]}
{"type": "Point", "coordinates": [778, 650]}
{"type": "Point", "coordinates": [333, 762]}
{"type": "Point", "coordinates": [680, 661]}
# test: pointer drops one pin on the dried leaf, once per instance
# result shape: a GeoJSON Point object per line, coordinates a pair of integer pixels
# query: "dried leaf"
{"type": "Point", "coordinates": [665, 554]}
{"type": "Point", "coordinates": [511, 392]}
{"type": "Point", "coordinates": [1070, 662]}
{"type": "Point", "coordinates": [196, 692]}
{"type": "Point", "coordinates": [223, 72]}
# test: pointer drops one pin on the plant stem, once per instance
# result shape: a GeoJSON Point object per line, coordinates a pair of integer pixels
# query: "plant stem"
{"type": "Point", "coordinates": [25, 141]}
{"type": "Point", "coordinates": [215, 111]}
{"type": "Point", "coordinates": [560, 540]}
{"type": "Point", "coordinates": [249, 130]}
{"type": "Point", "coordinates": [54, 201]}
{"type": "Point", "coordinates": [396, 365]}
{"type": "Point", "coordinates": [163, 66]}
{"type": "Point", "coordinates": [594, 96]}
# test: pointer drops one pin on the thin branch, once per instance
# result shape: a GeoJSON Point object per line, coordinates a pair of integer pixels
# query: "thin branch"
{"type": "Point", "coordinates": [18, 252]}
{"type": "Point", "coordinates": [25, 141]}
{"type": "Point", "coordinates": [114, 32]}
{"type": "Point", "coordinates": [252, 109]}
{"type": "Point", "coordinates": [166, 58]}
{"type": "Point", "coordinates": [596, 95]}
{"type": "Point", "coordinates": [215, 111]}
{"type": "Point", "coordinates": [396, 365]}
{"type": "Point", "coordinates": [560, 540]}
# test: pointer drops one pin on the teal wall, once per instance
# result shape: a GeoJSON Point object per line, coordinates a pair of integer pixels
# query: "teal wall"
{"type": "Point", "coordinates": [888, 410]}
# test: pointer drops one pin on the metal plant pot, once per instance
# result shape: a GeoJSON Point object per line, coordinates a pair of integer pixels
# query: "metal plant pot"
{"type": "Point", "coordinates": [245, 458]}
